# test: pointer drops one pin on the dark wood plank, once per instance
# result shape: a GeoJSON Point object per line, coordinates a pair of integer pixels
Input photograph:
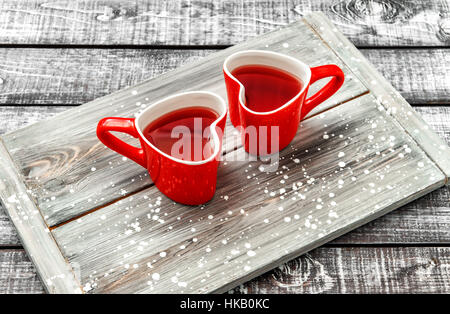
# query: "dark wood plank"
{"type": "Point", "coordinates": [359, 270]}
{"type": "Point", "coordinates": [323, 270]}
{"type": "Point", "coordinates": [76, 76]}
{"type": "Point", "coordinates": [17, 273]}
{"type": "Point", "coordinates": [423, 221]}
{"type": "Point", "coordinates": [205, 22]}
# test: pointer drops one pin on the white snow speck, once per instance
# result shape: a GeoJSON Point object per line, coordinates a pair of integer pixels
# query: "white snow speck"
{"type": "Point", "coordinates": [155, 276]}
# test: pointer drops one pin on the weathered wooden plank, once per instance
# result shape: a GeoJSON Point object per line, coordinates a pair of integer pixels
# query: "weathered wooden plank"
{"type": "Point", "coordinates": [76, 76]}
{"type": "Point", "coordinates": [346, 166]}
{"type": "Point", "coordinates": [17, 273]}
{"type": "Point", "coordinates": [423, 221]}
{"type": "Point", "coordinates": [323, 270]}
{"type": "Point", "coordinates": [61, 171]}
{"type": "Point", "coordinates": [419, 75]}
{"type": "Point", "coordinates": [205, 22]}
{"type": "Point", "coordinates": [390, 98]}
{"type": "Point", "coordinates": [31, 228]}
{"type": "Point", "coordinates": [65, 76]}
{"type": "Point", "coordinates": [359, 270]}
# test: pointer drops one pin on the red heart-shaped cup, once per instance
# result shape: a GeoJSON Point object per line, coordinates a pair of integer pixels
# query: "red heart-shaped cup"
{"type": "Point", "coordinates": [164, 153]}
{"type": "Point", "coordinates": [266, 96]}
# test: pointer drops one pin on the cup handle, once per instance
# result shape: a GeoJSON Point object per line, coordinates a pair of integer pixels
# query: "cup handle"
{"type": "Point", "coordinates": [123, 125]}
{"type": "Point", "coordinates": [332, 86]}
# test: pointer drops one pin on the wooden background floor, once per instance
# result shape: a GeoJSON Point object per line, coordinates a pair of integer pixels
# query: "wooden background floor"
{"type": "Point", "coordinates": [58, 54]}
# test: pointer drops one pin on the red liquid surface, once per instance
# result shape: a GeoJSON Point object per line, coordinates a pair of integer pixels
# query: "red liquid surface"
{"type": "Point", "coordinates": [267, 88]}
{"type": "Point", "coordinates": [181, 133]}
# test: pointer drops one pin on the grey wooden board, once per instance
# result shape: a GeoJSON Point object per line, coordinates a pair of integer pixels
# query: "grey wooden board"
{"type": "Point", "coordinates": [412, 123]}
{"type": "Point", "coordinates": [323, 270]}
{"type": "Point", "coordinates": [206, 22]}
{"type": "Point", "coordinates": [424, 221]}
{"type": "Point", "coordinates": [64, 76]}
{"type": "Point", "coordinates": [151, 244]}
{"type": "Point", "coordinates": [57, 168]}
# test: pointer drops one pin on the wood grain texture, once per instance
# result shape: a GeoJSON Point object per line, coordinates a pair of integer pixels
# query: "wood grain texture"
{"type": "Point", "coordinates": [145, 241]}
{"type": "Point", "coordinates": [17, 274]}
{"type": "Point", "coordinates": [423, 221]}
{"type": "Point", "coordinates": [394, 103]}
{"type": "Point", "coordinates": [58, 169]}
{"type": "Point", "coordinates": [359, 270]}
{"type": "Point", "coordinates": [205, 22]}
{"type": "Point", "coordinates": [323, 270]}
{"type": "Point", "coordinates": [56, 274]}
{"type": "Point", "coordinates": [65, 76]}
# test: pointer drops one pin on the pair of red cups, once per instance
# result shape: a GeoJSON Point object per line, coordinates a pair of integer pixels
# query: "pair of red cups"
{"type": "Point", "coordinates": [194, 182]}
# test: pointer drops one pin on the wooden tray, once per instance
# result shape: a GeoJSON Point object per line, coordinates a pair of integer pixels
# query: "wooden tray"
{"type": "Point", "coordinates": [93, 222]}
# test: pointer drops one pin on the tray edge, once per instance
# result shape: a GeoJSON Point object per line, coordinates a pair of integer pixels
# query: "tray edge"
{"type": "Point", "coordinates": [55, 273]}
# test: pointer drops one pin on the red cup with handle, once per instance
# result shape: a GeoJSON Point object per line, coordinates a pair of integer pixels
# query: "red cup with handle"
{"type": "Point", "coordinates": [181, 140]}
{"type": "Point", "coordinates": [267, 96]}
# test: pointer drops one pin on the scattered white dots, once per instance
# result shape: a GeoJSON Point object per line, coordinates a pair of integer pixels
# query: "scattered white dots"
{"type": "Point", "coordinates": [341, 164]}
{"type": "Point", "coordinates": [155, 276]}
{"type": "Point", "coordinates": [341, 154]}
{"type": "Point", "coordinates": [251, 253]}
{"type": "Point", "coordinates": [163, 254]}
{"type": "Point", "coordinates": [93, 169]}
{"type": "Point", "coordinates": [285, 45]}
{"type": "Point", "coordinates": [287, 219]}
{"type": "Point", "coordinates": [420, 164]}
